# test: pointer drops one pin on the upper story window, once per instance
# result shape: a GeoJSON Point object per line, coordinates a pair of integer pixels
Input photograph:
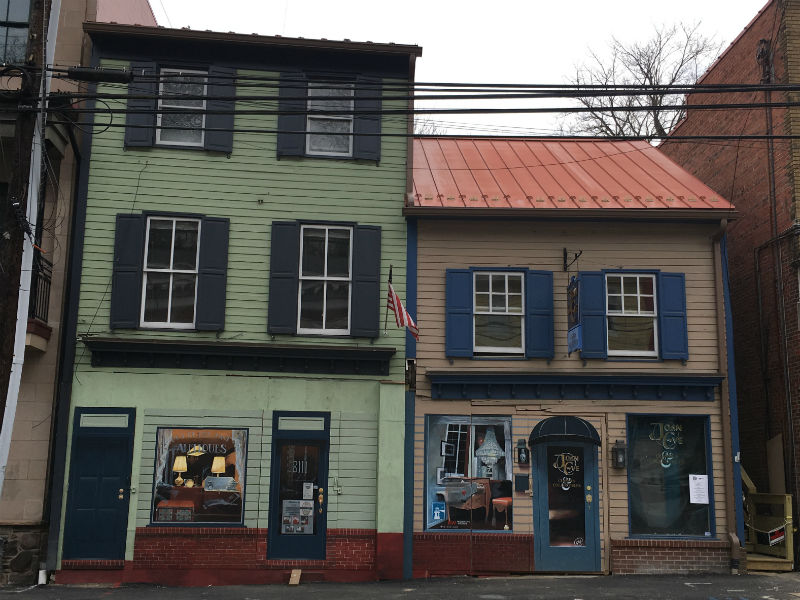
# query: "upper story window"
{"type": "Point", "coordinates": [181, 107]}
{"type": "Point", "coordinates": [14, 16]}
{"type": "Point", "coordinates": [330, 134]}
{"type": "Point", "coordinates": [324, 279]}
{"type": "Point", "coordinates": [169, 289]}
{"type": "Point", "coordinates": [631, 314]}
{"type": "Point", "coordinates": [498, 313]}
{"type": "Point", "coordinates": [313, 117]}
{"type": "Point", "coordinates": [325, 276]}
{"type": "Point", "coordinates": [169, 271]}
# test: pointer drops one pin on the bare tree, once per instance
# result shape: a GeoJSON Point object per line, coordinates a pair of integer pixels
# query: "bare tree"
{"type": "Point", "coordinates": [675, 55]}
{"type": "Point", "coordinates": [426, 126]}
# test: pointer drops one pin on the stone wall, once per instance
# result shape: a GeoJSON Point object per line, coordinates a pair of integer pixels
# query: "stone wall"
{"type": "Point", "coordinates": [20, 553]}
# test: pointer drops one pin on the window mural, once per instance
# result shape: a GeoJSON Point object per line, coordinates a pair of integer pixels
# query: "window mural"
{"type": "Point", "coordinates": [199, 475]}
{"type": "Point", "coordinates": [669, 483]}
{"type": "Point", "coordinates": [468, 473]}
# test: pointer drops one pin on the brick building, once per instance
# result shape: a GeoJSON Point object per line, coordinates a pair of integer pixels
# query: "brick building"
{"type": "Point", "coordinates": [761, 178]}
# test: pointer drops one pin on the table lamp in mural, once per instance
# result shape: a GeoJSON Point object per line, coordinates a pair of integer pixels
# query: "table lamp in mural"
{"type": "Point", "coordinates": [488, 454]}
{"type": "Point", "coordinates": [218, 466]}
{"type": "Point", "coordinates": [179, 467]}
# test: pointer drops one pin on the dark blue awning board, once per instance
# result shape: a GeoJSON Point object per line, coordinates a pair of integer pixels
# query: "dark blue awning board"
{"type": "Point", "coordinates": [667, 388]}
{"type": "Point", "coordinates": [562, 428]}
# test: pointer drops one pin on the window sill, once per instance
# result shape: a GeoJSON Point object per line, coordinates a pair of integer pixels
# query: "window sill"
{"type": "Point", "coordinates": [667, 538]}
{"type": "Point", "coordinates": [496, 357]}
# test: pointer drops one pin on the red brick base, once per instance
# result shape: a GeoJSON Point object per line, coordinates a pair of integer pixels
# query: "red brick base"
{"type": "Point", "coordinates": [630, 557]}
{"type": "Point", "coordinates": [437, 554]}
{"type": "Point", "coordinates": [200, 556]}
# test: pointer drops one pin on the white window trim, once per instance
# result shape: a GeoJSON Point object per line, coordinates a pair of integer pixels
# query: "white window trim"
{"type": "Point", "coordinates": [162, 104]}
{"type": "Point", "coordinates": [624, 313]}
{"type": "Point", "coordinates": [325, 278]}
{"type": "Point", "coordinates": [145, 271]}
{"type": "Point", "coordinates": [323, 117]}
{"type": "Point", "coordinates": [499, 349]}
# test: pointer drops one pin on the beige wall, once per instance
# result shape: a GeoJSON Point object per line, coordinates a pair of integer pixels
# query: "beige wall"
{"type": "Point", "coordinates": [674, 248]}
{"type": "Point", "coordinates": [25, 484]}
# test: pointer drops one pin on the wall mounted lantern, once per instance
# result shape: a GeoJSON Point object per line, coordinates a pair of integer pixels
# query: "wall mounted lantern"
{"type": "Point", "coordinates": [618, 454]}
{"type": "Point", "coordinates": [523, 454]}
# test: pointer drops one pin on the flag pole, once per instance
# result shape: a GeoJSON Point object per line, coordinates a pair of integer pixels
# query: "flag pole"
{"type": "Point", "coordinates": [386, 316]}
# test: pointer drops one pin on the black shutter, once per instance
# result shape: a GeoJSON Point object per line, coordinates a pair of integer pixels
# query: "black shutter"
{"type": "Point", "coordinates": [367, 141]}
{"type": "Point", "coordinates": [291, 127]}
{"type": "Point", "coordinates": [365, 297]}
{"type": "Point", "coordinates": [283, 277]}
{"type": "Point", "coordinates": [539, 314]}
{"type": "Point", "coordinates": [458, 319]}
{"type": "Point", "coordinates": [221, 83]}
{"type": "Point", "coordinates": [673, 331]}
{"type": "Point", "coordinates": [212, 274]}
{"type": "Point", "coordinates": [140, 126]}
{"type": "Point", "coordinates": [592, 299]}
{"type": "Point", "coordinates": [126, 279]}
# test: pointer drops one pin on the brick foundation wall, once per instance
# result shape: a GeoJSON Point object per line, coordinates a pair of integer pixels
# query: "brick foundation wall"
{"type": "Point", "coordinates": [198, 556]}
{"type": "Point", "coordinates": [437, 554]}
{"type": "Point", "coordinates": [638, 557]}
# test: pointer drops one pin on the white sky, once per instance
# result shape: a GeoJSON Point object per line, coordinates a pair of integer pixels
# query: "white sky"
{"type": "Point", "coordinates": [487, 41]}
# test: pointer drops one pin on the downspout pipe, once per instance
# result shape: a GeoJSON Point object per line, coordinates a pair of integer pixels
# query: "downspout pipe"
{"type": "Point", "coordinates": [32, 214]}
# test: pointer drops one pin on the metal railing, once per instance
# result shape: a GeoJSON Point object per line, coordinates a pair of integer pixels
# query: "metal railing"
{"type": "Point", "coordinates": [41, 278]}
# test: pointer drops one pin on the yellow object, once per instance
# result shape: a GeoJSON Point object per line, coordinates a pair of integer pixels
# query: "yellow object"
{"type": "Point", "coordinates": [218, 466]}
{"type": "Point", "coordinates": [196, 450]}
{"type": "Point", "coordinates": [179, 466]}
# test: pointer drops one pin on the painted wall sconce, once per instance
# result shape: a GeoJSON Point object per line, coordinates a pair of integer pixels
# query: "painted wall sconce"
{"type": "Point", "coordinates": [523, 454]}
{"type": "Point", "coordinates": [618, 454]}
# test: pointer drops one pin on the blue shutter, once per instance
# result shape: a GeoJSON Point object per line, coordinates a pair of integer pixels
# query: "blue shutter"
{"type": "Point", "coordinates": [126, 279]}
{"type": "Point", "coordinates": [365, 298]}
{"type": "Point", "coordinates": [672, 330]}
{"type": "Point", "coordinates": [221, 83]}
{"type": "Point", "coordinates": [539, 314]}
{"type": "Point", "coordinates": [458, 313]}
{"type": "Point", "coordinates": [592, 298]}
{"type": "Point", "coordinates": [366, 144]}
{"type": "Point", "coordinates": [292, 95]}
{"type": "Point", "coordinates": [140, 122]}
{"type": "Point", "coordinates": [212, 274]}
{"type": "Point", "coordinates": [284, 276]}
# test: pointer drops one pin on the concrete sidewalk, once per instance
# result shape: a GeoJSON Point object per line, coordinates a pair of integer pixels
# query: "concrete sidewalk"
{"type": "Point", "coordinates": [784, 586]}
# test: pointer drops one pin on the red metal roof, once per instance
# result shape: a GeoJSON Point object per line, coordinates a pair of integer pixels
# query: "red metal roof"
{"type": "Point", "coordinates": [524, 173]}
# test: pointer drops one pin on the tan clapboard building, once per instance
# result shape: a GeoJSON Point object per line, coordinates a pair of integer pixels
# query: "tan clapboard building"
{"type": "Point", "coordinates": [574, 401]}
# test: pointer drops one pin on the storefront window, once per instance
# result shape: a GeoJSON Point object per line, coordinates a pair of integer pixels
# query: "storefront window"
{"type": "Point", "coordinates": [669, 484]}
{"type": "Point", "coordinates": [468, 473]}
{"type": "Point", "coordinates": [199, 475]}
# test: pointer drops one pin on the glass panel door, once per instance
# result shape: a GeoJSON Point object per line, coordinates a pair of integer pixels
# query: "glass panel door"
{"type": "Point", "coordinates": [299, 499]}
{"type": "Point", "coordinates": [567, 527]}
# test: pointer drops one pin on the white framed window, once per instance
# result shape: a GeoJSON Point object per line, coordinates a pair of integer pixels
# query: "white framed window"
{"type": "Point", "coordinates": [330, 135]}
{"type": "Point", "coordinates": [631, 314]}
{"type": "Point", "coordinates": [499, 321]}
{"type": "Point", "coordinates": [325, 279]}
{"type": "Point", "coordinates": [169, 287]}
{"type": "Point", "coordinates": [178, 106]}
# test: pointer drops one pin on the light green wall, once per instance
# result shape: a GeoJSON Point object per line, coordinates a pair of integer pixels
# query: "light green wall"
{"type": "Point", "coordinates": [252, 188]}
{"type": "Point", "coordinates": [366, 437]}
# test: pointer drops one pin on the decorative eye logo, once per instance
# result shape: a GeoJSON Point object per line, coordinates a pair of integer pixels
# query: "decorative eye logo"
{"type": "Point", "coordinates": [567, 463]}
{"type": "Point", "coordinates": [578, 542]}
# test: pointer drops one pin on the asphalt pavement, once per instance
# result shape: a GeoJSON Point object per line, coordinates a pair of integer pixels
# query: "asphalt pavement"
{"type": "Point", "coordinates": [784, 586]}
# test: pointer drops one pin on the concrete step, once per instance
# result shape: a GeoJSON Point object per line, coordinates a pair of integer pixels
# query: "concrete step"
{"type": "Point", "coordinates": [764, 562]}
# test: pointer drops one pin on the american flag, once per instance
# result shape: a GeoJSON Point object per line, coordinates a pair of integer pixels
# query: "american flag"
{"type": "Point", "coordinates": [401, 316]}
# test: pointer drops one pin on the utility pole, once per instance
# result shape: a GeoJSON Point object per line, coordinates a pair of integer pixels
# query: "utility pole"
{"type": "Point", "coordinates": [14, 225]}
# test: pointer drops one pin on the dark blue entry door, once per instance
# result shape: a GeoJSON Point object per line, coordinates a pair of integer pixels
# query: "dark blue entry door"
{"type": "Point", "coordinates": [99, 485]}
{"type": "Point", "coordinates": [567, 534]}
{"type": "Point", "coordinates": [298, 515]}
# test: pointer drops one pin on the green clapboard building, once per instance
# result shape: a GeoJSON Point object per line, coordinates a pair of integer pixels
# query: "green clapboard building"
{"type": "Point", "coordinates": [232, 407]}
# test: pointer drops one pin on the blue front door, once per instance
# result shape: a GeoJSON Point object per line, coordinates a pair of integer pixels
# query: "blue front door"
{"type": "Point", "coordinates": [567, 529]}
{"type": "Point", "coordinates": [99, 484]}
{"type": "Point", "coordinates": [298, 513]}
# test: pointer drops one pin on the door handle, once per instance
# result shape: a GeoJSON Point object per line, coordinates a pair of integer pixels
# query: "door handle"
{"type": "Point", "coordinates": [121, 494]}
{"type": "Point", "coordinates": [589, 498]}
{"type": "Point", "coordinates": [321, 499]}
